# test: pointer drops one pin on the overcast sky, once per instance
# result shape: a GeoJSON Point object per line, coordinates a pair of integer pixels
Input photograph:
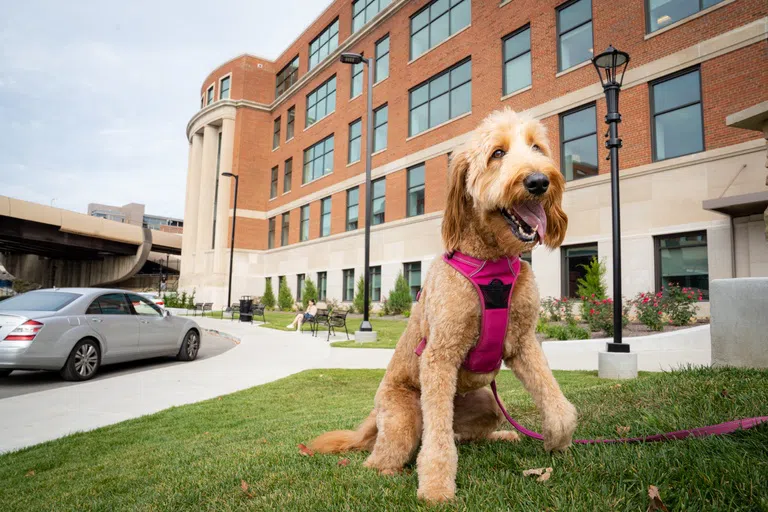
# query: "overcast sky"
{"type": "Point", "coordinates": [95, 95]}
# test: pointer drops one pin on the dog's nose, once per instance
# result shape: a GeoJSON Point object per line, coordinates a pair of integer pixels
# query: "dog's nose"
{"type": "Point", "coordinates": [536, 183]}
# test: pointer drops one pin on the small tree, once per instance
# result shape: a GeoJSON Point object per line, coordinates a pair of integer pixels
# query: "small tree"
{"type": "Point", "coordinates": [308, 293]}
{"type": "Point", "coordinates": [400, 298]}
{"type": "Point", "coordinates": [269, 296]}
{"type": "Point", "coordinates": [191, 303]}
{"type": "Point", "coordinates": [592, 285]}
{"type": "Point", "coordinates": [284, 296]}
{"type": "Point", "coordinates": [359, 300]}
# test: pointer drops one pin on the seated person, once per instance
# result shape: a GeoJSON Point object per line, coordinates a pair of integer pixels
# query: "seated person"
{"type": "Point", "coordinates": [304, 317]}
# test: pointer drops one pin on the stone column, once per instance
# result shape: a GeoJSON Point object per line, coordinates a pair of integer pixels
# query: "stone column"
{"type": "Point", "coordinates": [189, 239]}
{"type": "Point", "coordinates": [224, 201]}
{"type": "Point", "coordinates": [205, 202]}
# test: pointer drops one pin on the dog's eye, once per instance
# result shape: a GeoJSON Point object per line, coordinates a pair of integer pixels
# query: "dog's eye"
{"type": "Point", "coordinates": [499, 153]}
{"type": "Point", "coordinates": [536, 147]}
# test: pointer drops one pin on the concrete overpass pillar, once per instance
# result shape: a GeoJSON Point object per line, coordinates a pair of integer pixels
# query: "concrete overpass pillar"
{"type": "Point", "coordinates": [189, 239]}
{"type": "Point", "coordinates": [205, 202]}
{"type": "Point", "coordinates": [224, 200]}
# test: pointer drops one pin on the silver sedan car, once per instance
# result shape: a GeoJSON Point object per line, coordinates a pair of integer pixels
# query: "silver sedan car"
{"type": "Point", "coordinates": [77, 330]}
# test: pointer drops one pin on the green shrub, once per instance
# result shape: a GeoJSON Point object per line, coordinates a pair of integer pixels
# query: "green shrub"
{"type": "Point", "coordinates": [359, 300]}
{"type": "Point", "coordinates": [599, 315]}
{"type": "Point", "coordinates": [308, 293]}
{"type": "Point", "coordinates": [269, 296]}
{"type": "Point", "coordinates": [183, 300]}
{"type": "Point", "coordinates": [592, 285]}
{"type": "Point", "coordinates": [284, 296]}
{"type": "Point", "coordinates": [191, 299]}
{"type": "Point", "coordinates": [541, 325]}
{"type": "Point", "coordinates": [550, 309]}
{"type": "Point", "coordinates": [577, 333]}
{"type": "Point", "coordinates": [565, 332]}
{"type": "Point", "coordinates": [650, 310]}
{"type": "Point", "coordinates": [680, 304]}
{"type": "Point", "coordinates": [400, 299]}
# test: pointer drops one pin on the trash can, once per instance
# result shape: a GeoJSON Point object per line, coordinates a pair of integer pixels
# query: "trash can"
{"type": "Point", "coordinates": [246, 309]}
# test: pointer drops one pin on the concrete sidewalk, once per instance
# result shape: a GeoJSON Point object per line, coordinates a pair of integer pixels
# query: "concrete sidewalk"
{"type": "Point", "coordinates": [263, 355]}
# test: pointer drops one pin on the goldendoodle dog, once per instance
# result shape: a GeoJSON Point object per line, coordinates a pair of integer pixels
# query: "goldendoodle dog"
{"type": "Point", "coordinates": [504, 197]}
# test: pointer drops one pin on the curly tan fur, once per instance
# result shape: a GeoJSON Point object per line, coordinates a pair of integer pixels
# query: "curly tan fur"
{"type": "Point", "coordinates": [431, 399]}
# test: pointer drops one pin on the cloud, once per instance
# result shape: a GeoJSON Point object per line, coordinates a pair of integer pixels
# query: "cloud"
{"type": "Point", "coordinates": [96, 95]}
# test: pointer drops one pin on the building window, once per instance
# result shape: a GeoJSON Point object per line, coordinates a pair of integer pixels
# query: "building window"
{"type": "Point", "coordinates": [363, 11]}
{"type": "Point", "coordinates": [660, 13]}
{"type": "Point", "coordinates": [413, 277]}
{"type": "Point", "coordinates": [527, 257]}
{"type": "Point", "coordinates": [322, 286]}
{"type": "Point", "coordinates": [224, 86]}
{"type": "Point", "coordinates": [355, 136]}
{"type": "Point", "coordinates": [575, 259]}
{"type": "Point", "coordinates": [356, 88]}
{"type": "Point", "coordinates": [415, 191]}
{"type": "Point", "coordinates": [287, 175]}
{"type": "Point", "coordinates": [209, 95]}
{"type": "Point", "coordinates": [321, 101]}
{"type": "Point", "coordinates": [349, 285]}
{"type": "Point", "coordinates": [437, 22]}
{"type": "Point", "coordinates": [681, 259]}
{"type": "Point", "coordinates": [324, 44]}
{"type": "Point", "coordinates": [318, 160]}
{"type": "Point", "coordinates": [290, 123]}
{"type": "Point", "coordinates": [441, 98]}
{"type": "Point", "coordinates": [574, 33]}
{"type": "Point", "coordinates": [578, 146]}
{"type": "Point", "coordinates": [304, 223]}
{"type": "Point", "coordinates": [287, 76]}
{"type": "Point", "coordinates": [678, 125]}
{"type": "Point", "coordinates": [273, 186]}
{"type": "Point", "coordinates": [299, 286]}
{"type": "Point", "coordinates": [379, 191]}
{"type": "Point", "coordinates": [517, 60]}
{"type": "Point", "coordinates": [375, 284]}
{"type": "Point", "coordinates": [381, 70]}
{"type": "Point", "coordinates": [276, 133]}
{"type": "Point", "coordinates": [380, 117]}
{"type": "Point", "coordinates": [353, 201]}
{"type": "Point", "coordinates": [271, 234]}
{"type": "Point", "coordinates": [325, 217]}
{"type": "Point", "coordinates": [284, 229]}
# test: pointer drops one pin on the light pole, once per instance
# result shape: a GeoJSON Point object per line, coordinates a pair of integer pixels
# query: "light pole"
{"type": "Point", "coordinates": [232, 241]}
{"type": "Point", "coordinates": [357, 58]}
{"type": "Point", "coordinates": [610, 66]}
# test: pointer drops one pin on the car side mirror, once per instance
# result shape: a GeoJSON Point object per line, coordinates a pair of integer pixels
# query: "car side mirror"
{"type": "Point", "coordinates": [166, 313]}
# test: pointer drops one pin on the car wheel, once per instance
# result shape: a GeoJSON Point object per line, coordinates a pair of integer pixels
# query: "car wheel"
{"type": "Point", "coordinates": [5, 373]}
{"type": "Point", "coordinates": [83, 362]}
{"type": "Point", "coordinates": [189, 347]}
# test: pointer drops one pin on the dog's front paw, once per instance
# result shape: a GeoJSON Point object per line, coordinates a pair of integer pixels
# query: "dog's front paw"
{"type": "Point", "coordinates": [559, 425]}
{"type": "Point", "coordinates": [436, 492]}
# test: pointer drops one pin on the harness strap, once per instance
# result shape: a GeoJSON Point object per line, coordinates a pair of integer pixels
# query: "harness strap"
{"type": "Point", "coordinates": [711, 430]}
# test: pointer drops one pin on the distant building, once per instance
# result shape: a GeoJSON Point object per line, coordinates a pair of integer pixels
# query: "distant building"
{"type": "Point", "coordinates": [133, 213]}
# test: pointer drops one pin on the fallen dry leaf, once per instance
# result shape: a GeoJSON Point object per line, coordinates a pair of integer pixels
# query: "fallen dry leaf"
{"type": "Point", "coordinates": [622, 431]}
{"type": "Point", "coordinates": [343, 462]}
{"type": "Point", "coordinates": [31, 472]}
{"type": "Point", "coordinates": [219, 398]}
{"type": "Point", "coordinates": [263, 440]}
{"type": "Point", "coordinates": [724, 393]}
{"type": "Point", "coordinates": [616, 386]}
{"type": "Point", "coordinates": [656, 503]}
{"type": "Point", "coordinates": [542, 473]}
{"type": "Point", "coordinates": [306, 452]}
{"type": "Point", "coordinates": [246, 489]}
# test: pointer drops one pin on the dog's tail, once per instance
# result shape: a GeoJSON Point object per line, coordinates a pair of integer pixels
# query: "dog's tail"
{"type": "Point", "coordinates": [339, 441]}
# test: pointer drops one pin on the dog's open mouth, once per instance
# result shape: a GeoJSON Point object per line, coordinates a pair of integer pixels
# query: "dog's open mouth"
{"type": "Point", "coordinates": [527, 220]}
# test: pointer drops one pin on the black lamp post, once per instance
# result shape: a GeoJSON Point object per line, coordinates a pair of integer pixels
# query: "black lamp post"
{"type": "Point", "coordinates": [232, 242]}
{"type": "Point", "coordinates": [610, 66]}
{"type": "Point", "coordinates": [356, 58]}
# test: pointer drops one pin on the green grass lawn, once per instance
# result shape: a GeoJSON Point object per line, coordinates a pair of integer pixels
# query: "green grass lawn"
{"type": "Point", "coordinates": [195, 457]}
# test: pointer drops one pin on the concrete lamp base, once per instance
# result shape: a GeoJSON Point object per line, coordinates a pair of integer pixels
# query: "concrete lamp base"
{"type": "Point", "coordinates": [615, 365]}
{"type": "Point", "coordinates": [365, 336]}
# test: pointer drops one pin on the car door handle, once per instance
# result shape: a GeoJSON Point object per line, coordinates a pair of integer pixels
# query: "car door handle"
{"type": "Point", "coordinates": [145, 321]}
{"type": "Point", "coordinates": [96, 320]}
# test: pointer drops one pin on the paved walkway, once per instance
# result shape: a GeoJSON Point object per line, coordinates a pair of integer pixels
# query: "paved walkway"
{"type": "Point", "coordinates": [263, 355]}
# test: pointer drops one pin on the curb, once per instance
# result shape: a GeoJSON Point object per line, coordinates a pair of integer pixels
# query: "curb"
{"type": "Point", "coordinates": [228, 336]}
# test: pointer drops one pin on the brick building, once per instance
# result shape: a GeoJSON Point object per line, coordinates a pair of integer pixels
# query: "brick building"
{"type": "Point", "coordinates": [294, 131]}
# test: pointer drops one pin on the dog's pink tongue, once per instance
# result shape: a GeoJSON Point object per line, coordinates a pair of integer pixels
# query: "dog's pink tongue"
{"type": "Point", "coordinates": [533, 214]}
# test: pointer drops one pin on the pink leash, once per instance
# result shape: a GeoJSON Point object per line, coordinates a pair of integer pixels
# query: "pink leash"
{"type": "Point", "coordinates": [711, 430]}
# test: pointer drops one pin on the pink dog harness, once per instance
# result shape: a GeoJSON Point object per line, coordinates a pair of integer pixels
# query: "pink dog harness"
{"type": "Point", "coordinates": [494, 282]}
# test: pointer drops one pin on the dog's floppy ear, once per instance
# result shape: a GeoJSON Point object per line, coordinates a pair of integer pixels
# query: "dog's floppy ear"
{"type": "Point", "coordinates": [457, 203]}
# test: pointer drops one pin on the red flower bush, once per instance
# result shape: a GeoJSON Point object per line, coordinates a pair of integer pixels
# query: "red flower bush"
{"type": "Point", "coordinates": [600, 315]}
{"type": "Point", "coordinates": [649, 310]}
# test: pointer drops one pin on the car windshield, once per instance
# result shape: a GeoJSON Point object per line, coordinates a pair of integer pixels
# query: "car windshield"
{"type": "Point", "coordinates": [38, 301]}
